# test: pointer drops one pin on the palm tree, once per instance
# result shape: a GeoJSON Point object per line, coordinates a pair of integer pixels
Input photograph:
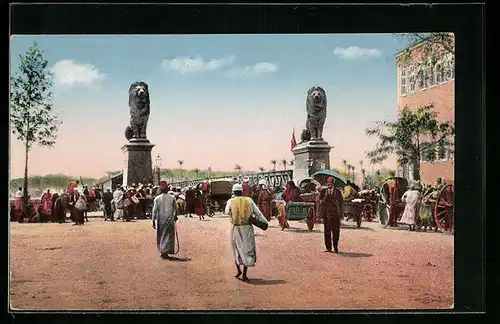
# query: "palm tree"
{"type": "Point", "coordinates": [348, 172]}
{"type": "Point", "coordinates": [181, 162]}
{"type": "Point", "coordinates": [237, 167]}
{"type": "Point", "coordinates": [353, 168]}
{"type": "Point", "coordinates": [196, 172]}
{"type": "Point", "coordinates": [209, 170]}
{"type": "Point", "coordinates": [273, 162]}
{"type": "Point", "coordinates": [284, 162]}
{"type": "Point", "coordinates": [344, 163]}
{"type": "Point", "coordinates": [291, 163]}
{"type": "Point", "coordinates": [361, 163]}
{"type": "Point", "coordinates": [363, 172]}
{"type": "Point", "coordinates": [261, 169]}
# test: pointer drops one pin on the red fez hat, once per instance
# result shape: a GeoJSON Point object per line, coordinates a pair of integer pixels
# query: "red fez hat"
{"type": "Point", "coordinates": [329, 180]}
{"type": "Point", "coordinates": [163, 184]}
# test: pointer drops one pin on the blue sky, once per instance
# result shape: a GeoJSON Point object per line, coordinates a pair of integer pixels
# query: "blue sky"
{"type": "Point", "coordinates": [211, 94]}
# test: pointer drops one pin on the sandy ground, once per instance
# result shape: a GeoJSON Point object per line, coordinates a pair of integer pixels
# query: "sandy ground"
{"type": "Point", "coordinates": [104, 266]}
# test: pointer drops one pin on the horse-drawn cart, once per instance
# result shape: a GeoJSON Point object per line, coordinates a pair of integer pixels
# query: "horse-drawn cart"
{"type": "Point", "coordinates": [220, 192]}
{"type": "Point", "coordinates": [390, 207]}
{"type": "Point", "coordinates": [441, 204]}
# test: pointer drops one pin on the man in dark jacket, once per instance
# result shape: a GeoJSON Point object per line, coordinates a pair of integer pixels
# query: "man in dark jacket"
{"type": "Point", "coordinates": [107, 198]}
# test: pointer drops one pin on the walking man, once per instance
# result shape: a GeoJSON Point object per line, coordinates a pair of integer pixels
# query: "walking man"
{"type": "Point", "coordinates": [240, 209]}
{"type": "Point", "coordinates": [331, 207]}
{"type": "Point", "coordinates": [165, 215]}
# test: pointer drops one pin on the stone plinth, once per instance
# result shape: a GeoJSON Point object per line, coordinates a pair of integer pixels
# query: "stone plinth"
{"type": "Point", "coordinates": [310, 157]}
{"type": "Point", "coordinates": [138, 163]}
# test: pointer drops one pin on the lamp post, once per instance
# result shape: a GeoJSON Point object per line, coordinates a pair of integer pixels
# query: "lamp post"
{"type": "Point", "coordinates": [158, 166]}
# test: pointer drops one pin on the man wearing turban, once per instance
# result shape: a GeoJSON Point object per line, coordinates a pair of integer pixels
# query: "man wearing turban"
{"type": "Point", "coordinates": [165, 215]}
{"type": "Point", "coordinates": [240, 209]}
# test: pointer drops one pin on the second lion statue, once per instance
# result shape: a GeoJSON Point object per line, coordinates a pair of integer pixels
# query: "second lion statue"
{"type": "Point", "coordinates": [316, 115]}
{"type": "Point", "coordinates": [138, 101]}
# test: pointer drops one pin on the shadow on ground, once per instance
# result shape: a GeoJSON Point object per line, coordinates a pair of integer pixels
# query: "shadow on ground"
{"type": "Point", "coordinates": [356, 228]}
{"type": "Point", "coordinates": [355, 254]}
{"type": "Point", "coordinates": [176, 259]}
{"type": "Point", "coordinates": [300, 230]}
{"type": "Point", "coordinates": [264, 282]}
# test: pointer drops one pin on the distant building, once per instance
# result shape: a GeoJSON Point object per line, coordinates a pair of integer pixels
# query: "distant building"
{"type": "Point", "coordinates": [111, 182]}
{"type": "Point", "coordinates": [420, 83]}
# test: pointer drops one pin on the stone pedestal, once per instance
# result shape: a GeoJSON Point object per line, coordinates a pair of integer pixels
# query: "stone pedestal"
{"type": "Point", "coordinates": [310, 157]}
{"type": "Point", "coordinates": [138, 163]}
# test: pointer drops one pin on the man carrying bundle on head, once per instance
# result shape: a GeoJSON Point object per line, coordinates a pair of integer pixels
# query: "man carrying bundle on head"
{"type": "Point", "coordinates": [241, 209]}
{"type": "Point", "coordinates": [165, 216]}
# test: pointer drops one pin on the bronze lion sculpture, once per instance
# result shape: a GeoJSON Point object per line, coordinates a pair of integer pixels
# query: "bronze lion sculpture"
{"type": "Point", "coordinates": [316, 115]}
{"type": "Point", "coordinates": [138, 101]}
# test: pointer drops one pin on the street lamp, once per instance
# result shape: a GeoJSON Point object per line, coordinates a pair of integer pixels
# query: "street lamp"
{"type": "Point", "coordinates": [158, 166]}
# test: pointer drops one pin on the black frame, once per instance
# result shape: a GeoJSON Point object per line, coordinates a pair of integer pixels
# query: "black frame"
{"type": "Point", "coordinates": [466, 21]}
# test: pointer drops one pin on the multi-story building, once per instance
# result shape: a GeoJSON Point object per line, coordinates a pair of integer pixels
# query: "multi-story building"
{"type": "Point", "coordinates": [422, 82]}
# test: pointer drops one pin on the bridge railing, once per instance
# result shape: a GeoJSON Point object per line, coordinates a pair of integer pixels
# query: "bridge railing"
{"type": "Point", "coordinates": [272, 178]}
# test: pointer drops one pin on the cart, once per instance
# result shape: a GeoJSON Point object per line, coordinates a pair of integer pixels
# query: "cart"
{"type": "Point", "coordinates": [442, 204]}
{"type": "Point", "coordinates": [353, 209]}
{"type": "Point", "coordinates": [390, 206]}
{"type": "Point", "coordinates": [220, 192]}
{"type": "Point", "coordinates": [297, 211]}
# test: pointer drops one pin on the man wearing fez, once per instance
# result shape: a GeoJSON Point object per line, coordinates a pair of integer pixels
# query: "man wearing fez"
{"type": "Point", "coordinates": [331, 208]}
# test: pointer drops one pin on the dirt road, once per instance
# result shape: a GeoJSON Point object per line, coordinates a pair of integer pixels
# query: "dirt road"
{"type": "Point", "coordinates": [104, 265]}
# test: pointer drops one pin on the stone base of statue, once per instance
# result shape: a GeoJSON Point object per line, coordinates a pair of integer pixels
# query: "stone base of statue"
{"type": "Point", "coordinates": [138, 164]}
{"type": "Point", "coordinates": [310, 157]}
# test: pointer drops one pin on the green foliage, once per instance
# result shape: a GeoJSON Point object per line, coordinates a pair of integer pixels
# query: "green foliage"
{"type": "Point", "coordinates": [403, 137]}
{"type": "Point", "coordinates": [430, 45]}
{"type": "Point", "coordinates": [32, 119]}
{"type": "Point", "coordinates": [376, 180]}
{"type": "Point", "coordinates": [39, 184]}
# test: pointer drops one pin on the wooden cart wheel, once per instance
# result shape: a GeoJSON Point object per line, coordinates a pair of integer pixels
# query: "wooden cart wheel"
{"type": "Point", "coordinates": [310, 218]}
{"type": "Point", "coordinates": [444, 209]}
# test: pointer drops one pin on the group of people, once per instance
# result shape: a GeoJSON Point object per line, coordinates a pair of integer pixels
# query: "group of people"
{"type": "Point", "coordinates": [419, 203]}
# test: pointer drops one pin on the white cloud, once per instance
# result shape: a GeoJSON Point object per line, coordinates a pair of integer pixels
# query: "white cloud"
{"type": "Point", "coordinates": [354, 53]}
{"type": "Point", "coordinates": [253, 70]}
{"type": "Point", "coordinates": [185, 65]}
{"type": "Point", "coordinates": [67, 72]}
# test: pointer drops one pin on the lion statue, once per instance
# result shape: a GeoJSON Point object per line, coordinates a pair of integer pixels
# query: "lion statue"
{"type": "Point", "coordinates": [138, 101]}
{"type": "Point", "coordinates": [316, 115]}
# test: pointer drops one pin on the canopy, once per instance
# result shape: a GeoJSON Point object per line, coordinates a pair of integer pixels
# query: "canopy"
{"type": "Point", "coordinates": [339, 180]}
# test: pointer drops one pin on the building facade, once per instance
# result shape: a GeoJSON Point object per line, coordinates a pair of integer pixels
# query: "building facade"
{"type": "Point", "coordinates": [422, 82]}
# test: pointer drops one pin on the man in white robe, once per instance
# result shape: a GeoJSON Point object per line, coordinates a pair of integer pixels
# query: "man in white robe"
{"type": "Point", "coordinates": [240, 209]}
{"type": "Point", "coordinates": [118, 202]}
{"type": "Point", "coordinates": [165, 215]}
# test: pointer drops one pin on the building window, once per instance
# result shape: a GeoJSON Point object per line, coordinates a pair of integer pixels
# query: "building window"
{"type": "Point", "coordinates": [403, 80]}
{"type": "Point", "coordinates": [437, 71]}
{"type": "Point", "coordinates": [422, 81]}
{"type": "Point", "coordinates": [430, 76]}
{"type": "Point", "coordinates": [412, 78]}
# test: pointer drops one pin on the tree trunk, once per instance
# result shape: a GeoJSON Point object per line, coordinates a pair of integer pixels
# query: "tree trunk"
{"type": "Point", "coordinates": [416, 170]}
{"type": "Point", "coordinates": [25, 187]}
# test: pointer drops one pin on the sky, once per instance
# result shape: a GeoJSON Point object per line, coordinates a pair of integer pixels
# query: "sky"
{"type": "Point", "coordinates": [216, 100]}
